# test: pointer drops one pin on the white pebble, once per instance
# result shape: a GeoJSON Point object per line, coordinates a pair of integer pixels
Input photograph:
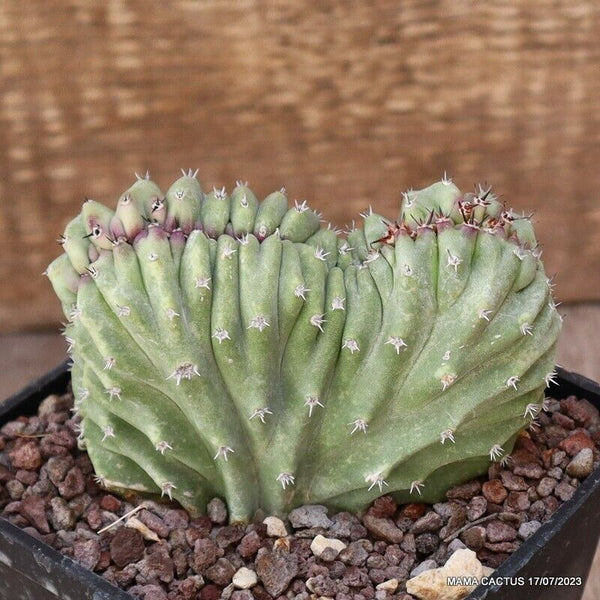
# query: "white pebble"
{"type": "Point", "coordinates": [275, 527]}
{"type": "Point", "coordinates": [321, 543]}
{"type": "Point", "coordinates": [389, 586]}
{"type": "Point", "coordinates": [245, 578]}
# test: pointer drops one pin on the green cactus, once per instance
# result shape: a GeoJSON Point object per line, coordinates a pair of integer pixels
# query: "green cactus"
{"type": "Point", "coordinates": [226, 347]}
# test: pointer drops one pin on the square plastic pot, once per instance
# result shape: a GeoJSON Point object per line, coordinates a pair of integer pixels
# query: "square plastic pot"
{"type": "Point", "coordinates": [563, 548]}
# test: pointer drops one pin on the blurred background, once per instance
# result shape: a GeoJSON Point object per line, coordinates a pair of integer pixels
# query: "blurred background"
{"type": "Point", "coordinates": [345, 102]}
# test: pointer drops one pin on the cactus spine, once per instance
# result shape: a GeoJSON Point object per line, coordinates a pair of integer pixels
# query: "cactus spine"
{"type": "Point", "coordinates": [225, 346]}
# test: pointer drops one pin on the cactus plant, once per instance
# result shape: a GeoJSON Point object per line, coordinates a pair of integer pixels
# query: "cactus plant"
{"type": "Point", "coordinates": [223, 346]}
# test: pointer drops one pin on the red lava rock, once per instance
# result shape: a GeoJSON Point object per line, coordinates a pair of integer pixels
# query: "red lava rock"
{"type": "Point", "coordinates": [502, 546]}
{"type": "Point", "coordinates": [384, 529]}
{"type": "Point", "coordinates": [474, 537]}
{"type": "Point", "coordinates": [394, 555]}
{"type": "Point", "coordinates": [26, 456]}
{"type": "Point", "coordinates": [249, 545]}
{"type": "Point", "coordinates": [564, 490]}
{"type": "Point", "coordinates": [551, 504]}
{"type": "Point", "coordinates": [427, 543]}
{"type": "Point", "coordinates": [127, 546]}
{"type": "Point", "coordinates": [126, 576]}
{"type": "Point", "coordinates": [154, 522]}
{"type": "Point", "coordinates": [206, 553]}
{"type": "Point", "coordinates": [231, 534]}
{"type": "Point", "coordinates": [580, 411]}
{"type": "Point", "coordinates": [5, 474]}
{"type": "Point", "coordinates": [276, 569]}
{"type": "Point", "coordinates": [546, 486]}
{"type": "Point", "coordinates": [431, 521]}
{"type": "Point", "coordinates": [157, 564]}
{"type": "Point", "coordinates": [221, 572]}
{"type": "Point", "coordinates": [513, 482]}
{"type": "Point", "coordinates": [458, 517]}
{"type": "Point", "coordinates": [498, 531]}
{"type": "Point", "coordinates": [14, 428]}
{"type": "Point", "coordinates": [61, 438]}
{"type": "Point", "coordinates": [186, 589]}
{"type": "Point", "coordinates": [465, 491]}
{"type": "Point", "coordinates": [346, 525]}
{"type": "Point", "coordinates": [109, 502]}
{"type": "Point", "coordinates": [26, 477]}
{"type": "Point", "coordinates": [87, 553]}
{"type": "Point", "coordinates": [72, 485]}
{"type": "Point", "coordinates": [518, 501]}
{"type": "Point", "coordinates": [176, 518]}
{"type": "Point", "coordinates": [524, 442]}
{"type": "Point", "coordinates": [103, 561]}
{"type": "Point", "coordinates": [57, 468]}
{"type": "Point", "coordinates": [210, 592]}
{"type": "Point", "coordinates": [12, 508]}
{"type": "Point", "coordinates": [94, 518]}
{"type": "Point", "coordinates": [554, 435]}
{"type": "Point", "coordinates": [355, 554]}
{"type": "Point", "coordinates": [148, 592]}
{"type": "Point", "coordinates": [529, 470]}
{"type": "Point", "coordinates": [477, 507]}
{"type": "Point", "coordinates": [547, 457]}
{"type": "Point", "coordinates": [33, 508]}
{"type": "Point", "coordinates": [523, 457]}
{"type": "Point", "coordinates": [48, 449]}
{"type": "Point", "coordinates": [383, 507]}
{"type": "Point", "coordinates": [563, 420]}
{"type": "Point", "coordinates": [494, 470]}
{"type": "Point", "coordinates": [259, 593]}
{"type": "Point", "coordinates": [192, 534]}
{"type": "Point", "coordinates": [576, 442]}
{"type": "Point", "coordinates": [494, 491]}
{"type": "Point", "coordinates": [202, 524]}
{"type": "Point", "coordinates": [414, 510]}
{"type": "Point", "coordinates": [490, 558]}
{"type": "Point", "coordinates": [181, 558]}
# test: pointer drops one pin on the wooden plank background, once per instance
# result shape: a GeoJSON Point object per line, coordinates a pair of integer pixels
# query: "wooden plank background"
{"type": "Point", "coordinates": [345, 102]}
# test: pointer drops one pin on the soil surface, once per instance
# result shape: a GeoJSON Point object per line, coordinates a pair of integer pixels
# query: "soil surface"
{"type": "Point", "coordinates": [47, 487]}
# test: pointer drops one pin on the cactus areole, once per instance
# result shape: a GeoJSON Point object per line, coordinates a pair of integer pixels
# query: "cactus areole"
{"type": "Point", "coordinates": [223, 346]}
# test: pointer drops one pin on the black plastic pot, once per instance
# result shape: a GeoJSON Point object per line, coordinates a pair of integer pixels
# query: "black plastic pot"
{"type": "Point", "coordinates": [563, 548]}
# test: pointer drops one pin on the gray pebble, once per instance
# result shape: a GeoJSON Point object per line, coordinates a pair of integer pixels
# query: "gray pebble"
{"type": "Point", "coordinates": [528, 528]}
{"type": "Point", "coordinates": [217, 511]}
{"type": "Point", "coordinates": [427, 543]}
{"type": "Point", "coordinates": [477, 507]}
{"type": "Point", "coordinates": [61, 516]}
{"type": "Point", "coordinates": [354, 554]}
{"type": "Point", "coordinates": [564, 490]}
{"type": "Point", "coordinates": [546, 486]}
{"type": "Point", "coordinates": [311, 515]}
{"type": "Point", "coordinates": [423, 566]}
{"type": "Point", "coordinates": [455, 545]}
{"type": "Point", "coordinates": [555, 472]}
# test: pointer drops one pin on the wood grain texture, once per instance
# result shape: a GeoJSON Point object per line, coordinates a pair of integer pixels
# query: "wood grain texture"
{"type": "Point", "coordinates": [345, 102]}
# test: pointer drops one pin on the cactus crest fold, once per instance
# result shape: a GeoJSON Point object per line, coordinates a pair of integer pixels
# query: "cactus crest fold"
{"type": "Point", "coordinates": [224, 346]}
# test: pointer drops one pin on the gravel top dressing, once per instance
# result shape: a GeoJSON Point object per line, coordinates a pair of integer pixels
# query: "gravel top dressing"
{"type": "Point", "coordinates": [157, 552]}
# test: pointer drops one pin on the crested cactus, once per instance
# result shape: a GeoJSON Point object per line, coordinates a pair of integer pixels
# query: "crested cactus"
{"type": "Point", "coordinates": [226, 346]}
